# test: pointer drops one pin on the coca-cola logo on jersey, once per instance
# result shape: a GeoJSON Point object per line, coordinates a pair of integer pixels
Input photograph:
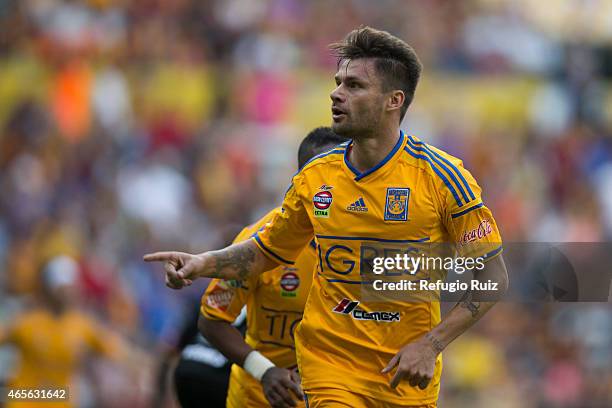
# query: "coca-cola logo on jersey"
{"type": "Point", "coordinates": [478, 233]}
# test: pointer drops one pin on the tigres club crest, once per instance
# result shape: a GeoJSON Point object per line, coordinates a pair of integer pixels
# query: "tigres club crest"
{"type": "Point", "coordinates": [396, 206]}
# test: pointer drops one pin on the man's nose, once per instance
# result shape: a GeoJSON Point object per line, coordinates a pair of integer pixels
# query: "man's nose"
{"type": "Point", "coordinates": [336, 95]}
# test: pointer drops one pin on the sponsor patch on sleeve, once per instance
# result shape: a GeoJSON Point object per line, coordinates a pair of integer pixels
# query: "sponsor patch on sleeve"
{"type": "Point", "coordinates": [220, 297]}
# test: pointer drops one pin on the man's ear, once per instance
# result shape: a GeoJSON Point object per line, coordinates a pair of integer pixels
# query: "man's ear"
{"type": "Point", "coordinates": [396, 100]}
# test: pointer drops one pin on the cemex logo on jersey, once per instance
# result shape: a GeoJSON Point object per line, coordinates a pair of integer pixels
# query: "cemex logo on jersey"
{"type": "Point", "coordinates": [349, 307]}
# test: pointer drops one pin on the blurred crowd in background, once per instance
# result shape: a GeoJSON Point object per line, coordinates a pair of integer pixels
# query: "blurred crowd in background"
{"type": "Point", "coordinates": [131, 126]}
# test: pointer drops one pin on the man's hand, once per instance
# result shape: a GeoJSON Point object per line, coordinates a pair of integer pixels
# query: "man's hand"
{"type": "Point", "coordinates": [181, 268]}
{"type": "Point", "coordinates": [415, 361]}
{"type": "Point", "coordinates": [237, 261]}
{"type": "Point", "coordinates": [276, 384]}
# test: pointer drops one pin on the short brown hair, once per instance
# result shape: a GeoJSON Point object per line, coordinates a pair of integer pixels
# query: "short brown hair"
{"type": "Point", "coordinates": [396, 61]}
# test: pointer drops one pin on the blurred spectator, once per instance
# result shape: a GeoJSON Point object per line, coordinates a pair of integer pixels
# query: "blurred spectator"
{"type": "Point", "coordinates": [54, 340]}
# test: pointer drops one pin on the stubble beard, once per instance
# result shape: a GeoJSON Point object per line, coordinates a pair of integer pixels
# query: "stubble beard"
{"type": "Point", "coordinates": [356, 131]}
{"type": "Point", "coordinates": [341, 129]}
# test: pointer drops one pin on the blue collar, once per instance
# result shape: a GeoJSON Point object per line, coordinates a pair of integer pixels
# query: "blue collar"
{"type": "Point", "coordinates": [358, 175]}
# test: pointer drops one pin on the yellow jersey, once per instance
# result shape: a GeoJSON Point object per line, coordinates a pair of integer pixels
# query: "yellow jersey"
{"type": "Point", "coordinates": [52, 349]}
{"type": "Point", "coordinates": [417, 194]}
{"type": "Point", "coordinates": [274, 299]}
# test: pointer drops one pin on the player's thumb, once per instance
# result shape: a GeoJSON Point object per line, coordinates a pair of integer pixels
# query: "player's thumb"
{"type": "Point", "coordinates": [391, 364]}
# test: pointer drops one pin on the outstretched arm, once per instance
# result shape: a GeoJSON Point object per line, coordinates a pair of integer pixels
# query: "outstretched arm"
{"type": "Point", "coordinates": [237, 261]}
{"type": "Point", "coordinates": [416, 361]}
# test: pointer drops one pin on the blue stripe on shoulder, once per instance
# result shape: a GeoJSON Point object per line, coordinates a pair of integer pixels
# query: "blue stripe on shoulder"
{"type": "Point", "coordinates": [467, 210]}
{"type": "Point", "coordinates": [424, 149]}
{"type": "Point", "coordinates": [445, 160]}
{"type": "Point", "coordinates": [335, 150]}
{"type": "Point", "coordinates": [444, 179]}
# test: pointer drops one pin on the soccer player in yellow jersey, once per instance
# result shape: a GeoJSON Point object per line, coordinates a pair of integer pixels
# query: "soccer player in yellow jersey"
{"type": "Point", "coordinates": [382, 190]}
{"type": "Point", "coordinates": [275, 303]}
{"type": "Point", "coordinates": [53, 341]}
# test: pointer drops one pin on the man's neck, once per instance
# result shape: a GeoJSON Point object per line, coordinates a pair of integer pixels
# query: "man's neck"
{"type": "Point", "coordinates": [369, 151]}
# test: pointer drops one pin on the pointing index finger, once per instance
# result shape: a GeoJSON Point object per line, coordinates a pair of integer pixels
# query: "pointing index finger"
{"type": "Point", "coordinates": [159, 256]}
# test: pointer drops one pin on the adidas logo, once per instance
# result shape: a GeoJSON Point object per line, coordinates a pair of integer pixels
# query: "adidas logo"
{"type": "Point", "coordinates": [358, 205]}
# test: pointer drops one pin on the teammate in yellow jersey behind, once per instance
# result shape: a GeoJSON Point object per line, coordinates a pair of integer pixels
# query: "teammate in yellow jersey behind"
{"type": "Point", "coordinates": [275, 303]}
{"type": "Point", "coordinates": [382, 193]}
{"type": "Point", "coordinates": [55, 339]}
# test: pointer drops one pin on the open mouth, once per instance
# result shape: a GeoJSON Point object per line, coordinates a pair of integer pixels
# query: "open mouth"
{"type": "Point", "coordinates": [337, 113]}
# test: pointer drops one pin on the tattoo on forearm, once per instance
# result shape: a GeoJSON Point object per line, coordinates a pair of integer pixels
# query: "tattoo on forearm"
{"type": "Point", "coordinates": [435, 343]}
{"type": "Point", "coordinates": [240, 259]}
{"type": "Point", "coordinates": [467, 302]}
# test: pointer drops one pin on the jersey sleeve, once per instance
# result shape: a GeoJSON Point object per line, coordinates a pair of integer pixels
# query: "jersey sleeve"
{"type": "Point", "coordinates": [223, 300]}
{"type": "Point", "coordinates": [469, 222]}
{"type": "Point", "coordinates": [289, 231]}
